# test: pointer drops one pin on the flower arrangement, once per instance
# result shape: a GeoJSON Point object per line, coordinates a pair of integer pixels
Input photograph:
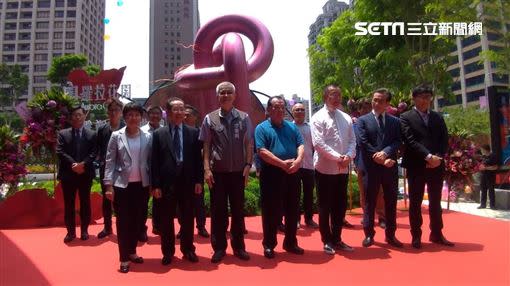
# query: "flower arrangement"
{"type": "Point", "coordinates": [12, 163]}
{"type": "Point", "coordinates": [461, 162]}
{"type": "Point", "coordinates": [48, 113]}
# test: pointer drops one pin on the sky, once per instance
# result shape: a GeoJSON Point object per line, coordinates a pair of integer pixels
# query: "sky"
{"type": "Point", "coordinates": [288, 21]}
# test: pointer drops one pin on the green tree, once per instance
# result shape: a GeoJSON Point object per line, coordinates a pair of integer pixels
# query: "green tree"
{"type": "Point", "coordinates": [362, 63]}
{"type": "Point", "coordinates": [62, 66]}
{"type": "Point", "coordinates": [13, 82]}
{"type": "Point", "coordinates": [468, 122]}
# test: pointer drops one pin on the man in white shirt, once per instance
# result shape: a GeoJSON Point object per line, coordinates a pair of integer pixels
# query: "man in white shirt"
{"type": "Point", "coordinates": [335, 147]}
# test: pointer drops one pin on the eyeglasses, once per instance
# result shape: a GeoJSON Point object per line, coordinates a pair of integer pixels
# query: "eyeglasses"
{"type": "Point", "coordinates": [226, 91]}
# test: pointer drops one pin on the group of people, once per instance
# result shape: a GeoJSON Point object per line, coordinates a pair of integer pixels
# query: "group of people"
{"type": "Point", "coordinates": [172, 162]}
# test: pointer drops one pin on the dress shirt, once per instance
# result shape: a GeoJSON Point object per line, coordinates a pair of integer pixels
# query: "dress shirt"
{"type": "Point", "coordinates": [332, 137]}
{"type": "Point", "coordinates": [306, 132]}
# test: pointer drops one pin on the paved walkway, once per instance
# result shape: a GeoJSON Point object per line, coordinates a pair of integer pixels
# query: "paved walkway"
{"type": "Point", "coordinates": [471, 208]}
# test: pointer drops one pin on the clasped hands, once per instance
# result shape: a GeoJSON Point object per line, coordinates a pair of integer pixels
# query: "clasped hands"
{"type": "Point", "coordinates": [78, 168]}
{"type": "Point", "coordinates": [290, 166]}
{"type": "Point", "coordinates": [433, 162]}
{"type": "Point", "coordinates": [382, 158]}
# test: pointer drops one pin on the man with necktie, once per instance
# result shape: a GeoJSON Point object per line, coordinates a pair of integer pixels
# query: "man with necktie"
{"type": "Point", "coordinates": [176, 169]}
{"type": "Point", "coordinates": [379, 139]}
{"type": "Point", "coordinates": [425, 136]}
{"type": "Point", "coordinates": [76, 151]}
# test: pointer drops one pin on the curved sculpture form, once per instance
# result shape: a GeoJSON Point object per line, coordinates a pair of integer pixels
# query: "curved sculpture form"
{"type": "Point", "coordinates": [226, 61]}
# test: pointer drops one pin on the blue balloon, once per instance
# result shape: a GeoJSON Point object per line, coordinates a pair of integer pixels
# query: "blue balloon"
{"type": "Point", "coordinates": [120, 3]}
{"type": "Point", "coordinates": [106, 20]}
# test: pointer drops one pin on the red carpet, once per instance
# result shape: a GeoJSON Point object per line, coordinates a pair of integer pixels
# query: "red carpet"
{"type": "Point", "coordinates": [481, 257]}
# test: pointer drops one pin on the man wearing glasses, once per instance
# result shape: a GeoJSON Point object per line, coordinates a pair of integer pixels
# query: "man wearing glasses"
{"type": "Point", "coordinates": [425, 136]}
{"type": "Point", "coordinates": [306, 173]}
{"type": "Point", "coordinates": [228, 154]}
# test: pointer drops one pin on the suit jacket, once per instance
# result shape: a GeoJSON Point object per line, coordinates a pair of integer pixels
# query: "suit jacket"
{"type": "Point", "coordinates": [67, 155]}
{"type": "Point", "coordinates": [371, 143]}
{"type": "Point", "coordinates": [164, 163]}
{"type": "Point", "coordinates": [118, 159]}
{"type": "Point", "coordinates": [103, 137]}
{"type": "Point", "coordinates": [421, 140]}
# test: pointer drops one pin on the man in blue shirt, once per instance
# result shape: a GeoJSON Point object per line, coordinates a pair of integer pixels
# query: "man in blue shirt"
{"type": "Point", "coordinates": [281, 149]}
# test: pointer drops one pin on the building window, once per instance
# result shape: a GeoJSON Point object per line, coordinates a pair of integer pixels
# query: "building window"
{"type": "Point", "coordinates": [39, 79]}
{"type": "Point", "coordinates": [8, 58]}
{"type": "Point", "coordinates": [70, 46]}
{"type": "Point", "coordinates": [11, 15]}
{"type": "Point", "coordinates": [9, 37]}
{"type": "Point", "coordinates": [71, 14]}
{"type": "Point", "coordinates": [42, 25]}
{"type": "Point", "coordinates": [60, 3]}
{"type": "Point", "coordinates": [38, 89]}
{"type": "Point", "coordinates": [23, 58]}
{"type": "Point", "coordinates": [69, 35]}
{"type": "Point", "coordinates": [43, 14]}
{"type": "Point", "coordinates": [71, 3]}
{"type": "Point", "coordinates": [27, 4]}
{"type": "Point", "coordinates": [25, 26]}
{"type": "Point", "coordinates": [23, 47]}
{"type": "Point", "coordinates": [40, 68]}
{"type": "Point", "coordinates": [41, 57]}
{"type": "Point", "coordinates": [26, 15]}
{"type": "Point", "coordinates": [24, 36]}
{"type": "Point", "coordinates": [70, 24]}
{"type": "Point", "coordinates": [41, 35]}
{"type": "Point", "coordinates": [10, 26]}
{"type": "Point", "coordinates": [56, 55]}
{"type": "Point", "coordinates": [43, 4]}
{"type": "Point", "coordinates": [58, 24]}
{"type": "Point", "coordinates": [57, 46]}
{"type": "Point", "coordinates": [41, 46]}
{"type": "Point", "coordinates": [59, 14]}
{"type": "Point", "coordinates": [57, 35]}
{"type": "Point", "coordinates": [12, 5]}
{"type": "Point", "coordinates": [9, 47]}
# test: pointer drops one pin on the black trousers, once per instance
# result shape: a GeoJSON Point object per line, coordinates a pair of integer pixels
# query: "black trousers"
{"type": "Point", "coordinates": [487, 182]}
{"type": "Point", "coordinates": [307, 179]}
{"type": "Point", "coordinates": [156, 206]}
{"type": "Point", "coordinates": [374, 179]}
{"type": "Point", "coordinates": [81, 184]}
{"type": "Point", "coordinates": [180, 196]}
{"type": "Point", "coordinates": [107, 209]}
{"type": "Point", "coordinates": [228, 188]}
{"type": "Point", "coordinates": [417, 179]}
{"type": "Point", "coordinates": [129, 203]}
{"type": "Point", "coordinates": [143, 222]}
{"type": "Point", "coordinates": [332, 195]}
{"type": "Point", "coordinates": [198, 210]}
{"type": "Point", "coordinates": [278, 188]}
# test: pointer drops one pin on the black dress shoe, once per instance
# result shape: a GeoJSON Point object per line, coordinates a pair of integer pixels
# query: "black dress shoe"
{"type": "Point", "coordinates": [84, 235]}
{"type": "Point", "coordinates": [393, 241]}
{"type": "Point", "coordinates": [269, 253]}
{"type": "Point", "coordinates": [294, 249]}
{"type": "Point", "coordinates": [143, 237]}
{"type": "Point", "coordinates": [203, 232]}
{"type": "Point", "coordinates": [347, 224]}
{"type": "Point", "coordinates": [155, 231]}
{"type": "Point", "coordinates": [382, 224]}
{"type": "Point", "coordinates": [137, 259]}
{"type": "Point", "coordinates": [281, 227]}
{"type": "Point", "coordinates": [440, 239]}
{"type": "Point", "coordinates": [342, 246]}
{"type": "Point", "coordinates": [69, 237]}
{"type": "Point", "coordinates": [481, 207]}
{"type": "Point", "coordinates": [124, 268]}
{"type": "Point", "coordinates": [241, 254]}
{"type": "Point", "coordinates": [368, 241]}
{"type": "Point", "coordinates": [416, 243]}
{"type": "Point", "coordinates": [311, 223]}
{"type": "Point", "coordinates": [218, 256]}
{"type": "Point", "coordinates": [191, 256]}
{"type": "Point", "coordinates": [104, 233]}
{"type": "Point", "coordinates": [328, 249]}
{"type": "Point", "coordinates": [166, 260]}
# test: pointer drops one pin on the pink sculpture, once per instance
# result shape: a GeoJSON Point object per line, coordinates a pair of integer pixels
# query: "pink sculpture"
{"type": "Point", "coordinates": [226, 62]}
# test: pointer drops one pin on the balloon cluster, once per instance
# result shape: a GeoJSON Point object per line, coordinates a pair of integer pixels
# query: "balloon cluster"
{"type": "Point", "coordinates": [106, 21]}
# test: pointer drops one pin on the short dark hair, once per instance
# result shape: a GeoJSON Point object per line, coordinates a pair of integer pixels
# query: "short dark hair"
{"type": "Point", "coordinates": [194, 111]}
{"type": "Point", "coordinates": [422, 89]}
{"type": "Point", "coordinates": [170, 100]}
{"type": "Point", "coordinates": [279, 97]}
{"type": "Point", "coordinates": [384, 91]}
{"type": "Point", "coordinates": [113, 101]}
{"type": "Point", "coordinates": [132, 106]}
{"type": "Point", "coordinates": [328, 88]}
{"type": "Point", "coordinates": [154, 107]}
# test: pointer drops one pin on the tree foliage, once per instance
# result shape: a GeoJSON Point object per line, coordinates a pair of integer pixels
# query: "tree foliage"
{"type": "Point", "coordinates": [468, 122]}
{"type": "Point", "coordinates": [13, 82]}
{"type": "Point", "coordinates": [62, 66]}
{"type": "Point", "coordinates": [362, 63]}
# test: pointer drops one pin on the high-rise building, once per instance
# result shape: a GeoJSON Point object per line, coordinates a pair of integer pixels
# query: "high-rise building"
{"type": "Point", "coordinates": [32, 33]}
{"type": "Point", "coordinates": [330, 11]}
{"type": "Point", "coordinates": [173, 27]}
{"type": "Point", "coordinates": [471, 72]}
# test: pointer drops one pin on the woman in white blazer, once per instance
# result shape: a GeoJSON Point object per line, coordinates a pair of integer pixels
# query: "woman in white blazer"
{"type": "Point", "coordinates": [127, 179]}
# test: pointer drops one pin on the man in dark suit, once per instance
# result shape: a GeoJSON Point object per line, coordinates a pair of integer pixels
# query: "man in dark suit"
{"type": "Point", "coordinates": [176, 176]}
{"type": "Point", "coordinates": [379, 139]}
{"type": "Point", "coordinates": [425, 136]}
{"type": "Point", "coordinates": [114, 109]}
{"type": "Point", "coordinates": [76, 150]}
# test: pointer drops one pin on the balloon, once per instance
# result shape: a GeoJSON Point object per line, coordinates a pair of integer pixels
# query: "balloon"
{"type": "Point", "coordinates": [106, 20]}
{"type": "Point", "coordinates": [106, 37]}
{"type": "Point", "coordinates": [120, 3]}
